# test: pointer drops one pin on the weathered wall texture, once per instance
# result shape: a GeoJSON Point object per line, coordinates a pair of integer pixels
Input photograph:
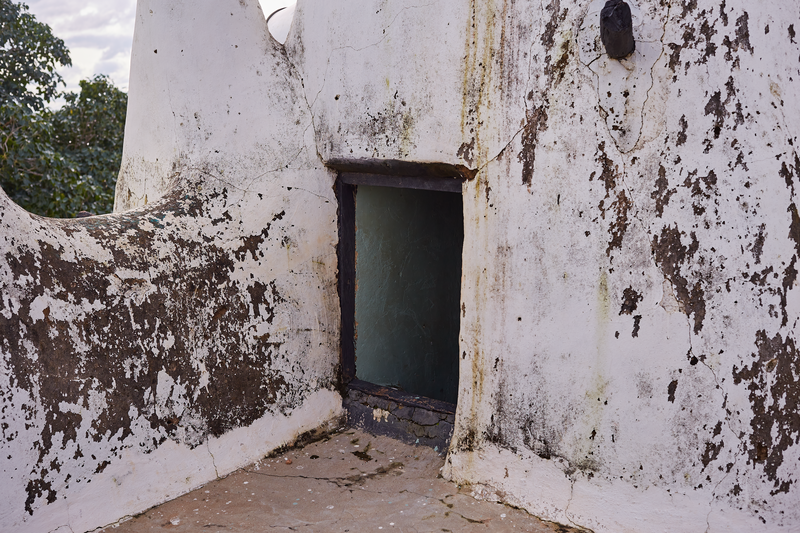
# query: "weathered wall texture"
{"type": "Point", "coordinates": [629, 298]}
{"type": "Point", "coordinates": [146, 352]}
{"type": "Point", "coordinates": [630, 308]}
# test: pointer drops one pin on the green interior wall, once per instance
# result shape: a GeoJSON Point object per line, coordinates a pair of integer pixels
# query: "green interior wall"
{"type": "Point", "coordinates": [408, 284]}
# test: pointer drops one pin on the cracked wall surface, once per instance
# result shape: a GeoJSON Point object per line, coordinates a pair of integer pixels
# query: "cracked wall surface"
{"type": "Point", "coordinates": [145, 352]}
{"type": "Point", "coordinates": [629, 310]}
{"type": "Point", "coordinates": [629, 314]}
{"type": "Point", "coordinates": [630, 307]}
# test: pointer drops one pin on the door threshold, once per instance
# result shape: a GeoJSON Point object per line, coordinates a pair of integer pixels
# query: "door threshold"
{"type": "Point", "coordinates": [407, 417]}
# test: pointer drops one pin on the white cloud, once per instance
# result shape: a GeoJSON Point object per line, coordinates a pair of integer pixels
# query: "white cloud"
{"type": "Point", "coordinates": [99, 34]}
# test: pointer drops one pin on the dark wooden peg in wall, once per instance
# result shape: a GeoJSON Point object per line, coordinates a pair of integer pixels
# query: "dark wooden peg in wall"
{"type": "Point", "coordinates": [616, 29]}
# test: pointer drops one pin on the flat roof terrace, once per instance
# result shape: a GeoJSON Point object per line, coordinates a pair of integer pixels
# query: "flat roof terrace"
{"type": "Point", "coordinates": [349, 481]}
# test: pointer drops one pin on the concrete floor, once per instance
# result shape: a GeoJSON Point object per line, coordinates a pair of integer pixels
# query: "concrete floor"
{"type": "Point", "coordinates": [350, 482]}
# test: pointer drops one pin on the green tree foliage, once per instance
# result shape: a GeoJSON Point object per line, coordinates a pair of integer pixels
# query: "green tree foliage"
{"type": "Point", "coordinates": [88, 133]}
{"type": "Point", "coordinates": [29, 56]}
{"type": "Point", "coordinates": [54, 163]}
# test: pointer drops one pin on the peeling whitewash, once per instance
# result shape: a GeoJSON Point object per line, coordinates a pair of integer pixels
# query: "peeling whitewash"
{"type": "Point", "coordinates": [629, 355]}
{"type": "Point", "coordinates": [146, 352]}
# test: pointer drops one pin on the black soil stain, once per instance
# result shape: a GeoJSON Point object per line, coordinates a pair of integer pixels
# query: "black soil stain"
{"type": "Point", "coordinates": [470, 520]}
{"type": "Point", "coordinates": [757, 247]}
{"type": "Point", "coordinates": [791, 173]}
{"type": "Point", "coordinates": [775, 400]}
{"type": "Point", "coordinates": [536, 117]}
{"type": "Point", "coordinates": [394, 468]}
{"type": "Point", "coordinates": [711, 452]}
{"type": "Point", "coordinates": [362, 454]}
{"type": "Point", "coordinates": [630, 301]}
{"type": "Point", "coordinates": [715, 107]}
{"type": "Point", "coordinates": [713, 448]}
{"type": "Point", "coordinates": [466, 151]}
{"type": "Point", "coordinates": [536, 122]}
{"type": "Point", "coordinates": [637, 320]}
{"type": "Point", "coordinates": [794, 227]}
{"type": "Point", "coordinates": [158, 320]}
{"type": "Point", "coordinates": [789, 278]}
{"type": "Point", "coordinates": [557, 16]}
{"type": "Point", "coordinates": [619, 225]}
{"type": "Point", "coordinates": [662, 193]}
{"type": "Point", "coordinates": [743, 33]}
{"type": "Point", "coordinates": [671, 388]}
{"type": "Point", "coordinates": [707, 31]}
{"type": "Point", "coordinates": [671, 255]}
{"type": "Point", "coordinates": [619, 206]}
{"type": "Point", "coordinates": [681, 138]}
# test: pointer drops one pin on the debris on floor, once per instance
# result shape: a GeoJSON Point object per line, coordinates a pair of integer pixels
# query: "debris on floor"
{"type": "Point", "coordinates": [348, 482]}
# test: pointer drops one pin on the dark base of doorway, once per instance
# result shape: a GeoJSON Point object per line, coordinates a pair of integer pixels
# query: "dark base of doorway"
{"type": "Point", "coordinates": [411, 419]}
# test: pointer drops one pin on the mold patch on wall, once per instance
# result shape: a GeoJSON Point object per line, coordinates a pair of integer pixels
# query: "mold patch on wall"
{"type": "Point", "coordinates": [124, 331]}
{"type": "Point", "coordinates": [623, 85]}
{"type": "Point", "coordinates": [771, 378]}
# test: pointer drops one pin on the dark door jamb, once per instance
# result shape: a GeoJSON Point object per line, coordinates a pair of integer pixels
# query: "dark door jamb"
{"type": "Point", "coordinates": [438, 177]}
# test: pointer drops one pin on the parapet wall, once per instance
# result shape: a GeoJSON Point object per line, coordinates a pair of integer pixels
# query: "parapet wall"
{"type": "Point", "coordinates": [148, 351]}
{"type": "Point", "coordinates": [629, 329]}
{"type": "Point", "coordinates": [631, 233]}
{"type": "Point", "coordinates": [629, 291]}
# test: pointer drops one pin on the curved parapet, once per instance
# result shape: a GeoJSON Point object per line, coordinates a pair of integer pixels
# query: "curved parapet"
{"type": "Point", "coordinates": [629, 311]}
{"type": "Point", "coordinates": [209, 87]}
{"type": "Point", "coordinates": [145, 352]}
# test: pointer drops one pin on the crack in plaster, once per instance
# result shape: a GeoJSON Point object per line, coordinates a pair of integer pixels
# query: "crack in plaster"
{"type": "Point", "coordinates": [441, 500]}
{"type": "Point", "coordinates": [57, 529]}
{"type": "Point", "coordinates": [502, 150]}
{"type": "Point", "coordinates": [569, 502]}
{"type": "Point", "coordinates": [651, 70]}
{"type": "Point", "coordinates": [294, 158]}
{"type": "Point", "coordinates": [311, 192]}
{"type": "Point", "coordinates": [407, 419]}
{"type": "Point", "coordinates": [247, 187]}
{"type": "Point", "coordinates": [530, 56]}
{"type": "Point", "coordinates": [334, 480]}
{"type": "Point", "coordinates": [334, 50]}
{"type": "Point", "coordinates": [311, 105]}
{"type": "Point", "coordinates": [114, 524]}
{"type": "Point", "coordinates": [312, 123]}
{"type": "Point", "coordinates": [785, 125]}
{"type": "Point", "coordinates": [738, 452]}
{"type": "Point", "coordinates": [330, 522]}
{"type": "Point", "coordinates": [367, 476]}
{"type": "Point", "coordinates": [213, 461]}
{"type": "Point", "coordinates": [635, 212]}
{"type": "Point", "coordinates": [739, 439]}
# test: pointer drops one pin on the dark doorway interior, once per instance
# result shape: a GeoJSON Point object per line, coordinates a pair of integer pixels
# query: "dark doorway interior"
{"type": "Point", "coordinates": [408, 283]}
{"type": "Point", "coordinates": [401, 240]}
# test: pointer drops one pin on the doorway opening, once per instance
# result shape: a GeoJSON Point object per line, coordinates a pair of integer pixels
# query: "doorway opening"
{"type": "Point", "coordinates": [400, 248]}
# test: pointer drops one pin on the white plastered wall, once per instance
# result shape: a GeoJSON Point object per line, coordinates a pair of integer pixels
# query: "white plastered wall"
{"type": "Point", "coordinates": [195, 329]}
{"type": "Point", "coordinates": [629, 273]}
{"type": "Point", "coordinates": [629, 312]}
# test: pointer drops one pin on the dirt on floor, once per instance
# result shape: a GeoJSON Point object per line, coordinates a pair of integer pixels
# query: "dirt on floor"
{"type": "Point", "coordinates": [347, 482]}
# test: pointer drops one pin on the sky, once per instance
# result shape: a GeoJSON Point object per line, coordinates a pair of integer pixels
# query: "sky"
{"type": "Point", "coordinates": [99, 34]}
